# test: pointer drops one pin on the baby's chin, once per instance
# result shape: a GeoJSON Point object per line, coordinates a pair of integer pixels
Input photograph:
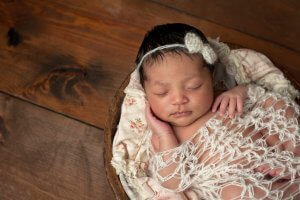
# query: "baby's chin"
{"type": "Point", "coordinates": [182, 123]}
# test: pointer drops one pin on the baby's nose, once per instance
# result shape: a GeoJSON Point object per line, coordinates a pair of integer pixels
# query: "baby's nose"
{"type": "Point", "coordinates": [179, 98]}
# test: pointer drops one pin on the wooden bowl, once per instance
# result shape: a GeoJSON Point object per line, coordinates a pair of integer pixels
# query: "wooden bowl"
{"type": "Point", "coordinates": [111, 128]}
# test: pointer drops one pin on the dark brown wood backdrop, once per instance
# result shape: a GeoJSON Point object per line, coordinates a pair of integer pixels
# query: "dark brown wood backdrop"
{"type": "Point", "coordinates": [65, 59]}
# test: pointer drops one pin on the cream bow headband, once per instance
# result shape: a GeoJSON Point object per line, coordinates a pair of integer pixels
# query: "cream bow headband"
{"type": "Point", "coordinates": [193, 44]}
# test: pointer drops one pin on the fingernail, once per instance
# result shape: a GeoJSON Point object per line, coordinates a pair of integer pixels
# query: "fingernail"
{"type": "Point", "coordinates": [259, 168]}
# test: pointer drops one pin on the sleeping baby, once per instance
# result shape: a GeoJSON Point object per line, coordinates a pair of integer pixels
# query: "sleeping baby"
{"type": "Point", "coordinates": [172, 142]}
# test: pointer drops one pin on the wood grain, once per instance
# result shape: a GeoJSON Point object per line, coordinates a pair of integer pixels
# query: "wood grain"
{"type": "Point", "coordinates": [274, 21]}
{"type": "Point", "coordinates": [48, 156]}
{"type": "Point", "coordinates": [73, 55]}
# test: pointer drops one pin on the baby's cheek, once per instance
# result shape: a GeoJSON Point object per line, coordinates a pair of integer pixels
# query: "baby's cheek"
{"type": "Point", "coordinates": [159, 109]}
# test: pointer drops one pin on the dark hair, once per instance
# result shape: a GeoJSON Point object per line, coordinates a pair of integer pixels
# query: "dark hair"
{"type": "Point", "coordinates": [161, 35]}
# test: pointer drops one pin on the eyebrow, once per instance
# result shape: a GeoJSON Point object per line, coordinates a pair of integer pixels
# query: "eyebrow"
{"type": "Point", "coordinates": [192, 77]}
{"type": "Point", "coordinates": [159, 83]}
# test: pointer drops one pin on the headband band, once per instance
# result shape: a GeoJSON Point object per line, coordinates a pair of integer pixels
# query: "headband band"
{"type": "Point", "coordinates": [193, 44]}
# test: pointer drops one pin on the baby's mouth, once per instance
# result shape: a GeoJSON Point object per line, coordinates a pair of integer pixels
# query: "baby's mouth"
{"type": "Point", "coordinates": [181, 114]}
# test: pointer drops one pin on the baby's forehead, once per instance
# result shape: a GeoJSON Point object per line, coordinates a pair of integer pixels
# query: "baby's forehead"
{"type": "Point", "coordinates": [171, 55]}
{"type": "Point", "coordinates": [173, 71]}
{"type": "Point", "coordinates": [171, 66]}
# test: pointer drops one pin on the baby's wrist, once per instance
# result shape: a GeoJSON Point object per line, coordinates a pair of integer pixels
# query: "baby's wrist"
{"type": "Point", "coordinates": [165, 135]}
{"type": "Point", "coordinates": [167, 142]}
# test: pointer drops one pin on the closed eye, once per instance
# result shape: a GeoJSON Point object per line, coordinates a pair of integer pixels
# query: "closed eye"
{"type": "Point", "coordinates": [161, 94]}
{"type": "Point", "coordinates": [194, 87]}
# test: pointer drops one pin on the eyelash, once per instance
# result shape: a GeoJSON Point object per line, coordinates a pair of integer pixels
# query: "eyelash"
{"type": "Point", "coordinates": [194, 88]}
{"type": "Point", "coordinates": [162, 94]}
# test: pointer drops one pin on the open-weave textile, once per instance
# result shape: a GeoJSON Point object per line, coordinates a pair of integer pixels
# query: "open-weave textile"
{"type": "Point", "coordinates": [227, 151]}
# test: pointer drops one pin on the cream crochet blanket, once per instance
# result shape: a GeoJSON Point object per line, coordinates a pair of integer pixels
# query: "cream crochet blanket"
{"type": "Point", "coordinates": [137, 165]}
{"type": "Point", "coordinates": [226, 152]}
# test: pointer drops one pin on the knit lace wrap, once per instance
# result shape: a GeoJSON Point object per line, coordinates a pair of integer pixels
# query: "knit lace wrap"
{"type": "Point", "coordinates": [226, 152]}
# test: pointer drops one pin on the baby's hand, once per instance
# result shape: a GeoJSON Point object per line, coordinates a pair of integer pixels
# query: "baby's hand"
{"type": "Point", "coordinates": [266, 169]}
{"type": "Point", "coordinates": [157, 126]}
{"type": "Point", "coordinates": [233, 99]}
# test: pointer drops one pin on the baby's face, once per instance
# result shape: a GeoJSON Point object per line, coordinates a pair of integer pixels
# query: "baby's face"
{"type": "Point", "coordinates": [179, 89]}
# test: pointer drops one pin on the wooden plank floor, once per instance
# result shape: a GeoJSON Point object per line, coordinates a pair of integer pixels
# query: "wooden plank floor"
{"type": "Point", "coordinates": [62, 61]}
{"type": "Point", "coordinates": [72, 56]}
{"type": "Point", "coordinates": [46, 155]}
{"type": "Point", "coordinates": [274, 21]}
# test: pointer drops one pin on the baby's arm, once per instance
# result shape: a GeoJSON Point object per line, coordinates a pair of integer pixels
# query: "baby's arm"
{"type": "Point", "coordinates": [289, 114]}
{"type": "Point", "coordinates": [280, 128]}
{"type": "Point", "coordinates": [273, 139]}
{"type": "Point", "coordinates": [163, 139]}
{"type": "Point", "coordinates": [170, 162]}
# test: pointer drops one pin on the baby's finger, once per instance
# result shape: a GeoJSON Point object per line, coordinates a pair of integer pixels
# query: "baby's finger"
{"type": "Point", "coordinates": [239, 104]}
{"type": "Point", "coordinates": [223, 105]}
{"type": "Point", "coordinates": [265, 168]}
{"type": "Point", "coordinates": [232, 105]}
{"type": "Point", "coordinates": [147, 108]}
{"type": "Point", "coordinates": [275, 172]}
{"type": "Point", "coordinates": [148, 113]}
{"type": "Point", "coordinates": [217, 103]}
